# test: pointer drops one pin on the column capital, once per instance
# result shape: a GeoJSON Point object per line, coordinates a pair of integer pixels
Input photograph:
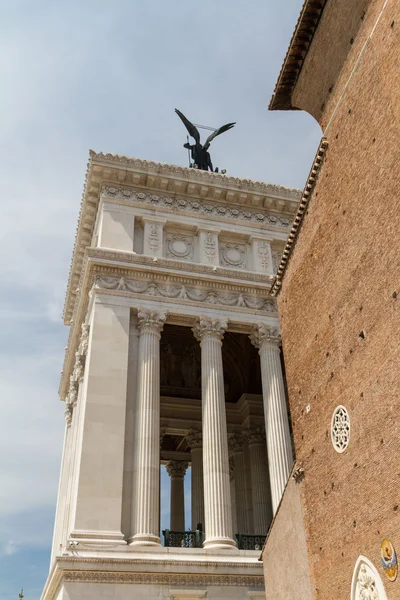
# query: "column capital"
{"type": "Point", "coordinates": [255, 436]}
{"type": "Point", "coordinates": [265, 334]}
{"type": "Point", "coordinates": [176, 468]}
{"type": "Point", "coordinates": [235, 443]}
{"type": "Point", "coordinates": [210, 328]}
{"type": "Point", "coordinates": [150, 321]}
{"type": "Point", "coordinates": [194, 439]}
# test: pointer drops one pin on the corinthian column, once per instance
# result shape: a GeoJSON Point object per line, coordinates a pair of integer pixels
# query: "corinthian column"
{"type": "Point", "coordinates": [260, 487]}
{"type": "Point", "coordinates": [176, 469]}
{"type": "Point", "coordinates": [280, 456]}
{"type": "Point", "coordinates": [194, 440]}
{"type": "Point", "coordinates": [237, 453]}
{"type": "Point", "coordinates": [217, 496]}
{"type": "Point", "coordinates": [146, 442]}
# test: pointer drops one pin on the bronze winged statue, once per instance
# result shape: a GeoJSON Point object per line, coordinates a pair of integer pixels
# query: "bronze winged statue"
{"type": "Point", "coordinates": [199, 152]}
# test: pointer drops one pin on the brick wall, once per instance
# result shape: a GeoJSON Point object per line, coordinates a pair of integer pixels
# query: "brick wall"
{"type": "Point", "coordinates": [340, 299]}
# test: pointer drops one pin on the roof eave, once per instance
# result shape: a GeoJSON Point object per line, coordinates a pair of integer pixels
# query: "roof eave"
{"type": "Point", "coordinates": [296, 54]}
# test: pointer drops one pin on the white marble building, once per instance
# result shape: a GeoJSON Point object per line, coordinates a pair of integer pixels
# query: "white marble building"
{"type": "Point", "coordinates": [173, 358]}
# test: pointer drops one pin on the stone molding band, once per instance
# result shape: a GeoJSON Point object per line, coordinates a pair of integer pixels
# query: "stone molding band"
{"type": "Point", "coordinates": [184, 292]}
{"type": "Point", "coordinates": [164, 578]}
{"type": "Point", "coordinates": [202, 208]}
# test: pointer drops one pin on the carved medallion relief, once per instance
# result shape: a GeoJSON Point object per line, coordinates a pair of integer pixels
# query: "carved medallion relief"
{"type": "Point", "coordinates": [233, 255]}
{"type": "Point", "coordinates": [179, 246]}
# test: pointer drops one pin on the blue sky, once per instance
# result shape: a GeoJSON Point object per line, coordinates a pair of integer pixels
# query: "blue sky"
{"type": "Point", "coordinates": [107, 76]}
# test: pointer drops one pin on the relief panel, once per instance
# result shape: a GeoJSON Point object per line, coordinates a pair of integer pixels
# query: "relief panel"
{"type": "Point", "coordinates": [179, 245]}
{"type": "Point", "coordinates": [233, 255]}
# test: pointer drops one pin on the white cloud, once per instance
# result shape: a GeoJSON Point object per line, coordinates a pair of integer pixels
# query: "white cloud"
{"type": "Point", "coordinates": [9, 548]}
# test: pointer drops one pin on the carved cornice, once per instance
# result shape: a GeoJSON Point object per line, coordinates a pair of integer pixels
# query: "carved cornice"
{"type": "Point", "coordinates": [210, 328]}
{"type": "Point", "coordinates": [164, 578]}
{"type": "Point", "coordinates": [176, 468]}
{"type": "Point", "coordinates": [182, 292]}
{"type": "Point", "coordinates": [207, 208]}
{"type": "Point", "coordinates": [264, 334]}
{"type": "Point", "coordinates": [189, 175]}
{"type": "Point", "coordinates": [185, 182]}
{"type": "Point", "coordinates": [151, 321]}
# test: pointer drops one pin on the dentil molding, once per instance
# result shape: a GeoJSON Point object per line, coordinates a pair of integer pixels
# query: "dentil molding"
{"type": "Point", "coordinates": [198, 207]}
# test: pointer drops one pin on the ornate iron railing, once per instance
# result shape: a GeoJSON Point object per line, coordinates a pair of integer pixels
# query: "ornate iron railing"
{"type": "Point", "coordinates": [183, 539]}
{"type": "Point", "coordinates": [249, 541]}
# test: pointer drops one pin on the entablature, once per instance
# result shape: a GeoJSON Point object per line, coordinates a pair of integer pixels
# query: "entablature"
{"type": "Point", "coordinates": [184, 293]}
{"type": "Point", "coordinates": [225, 197]}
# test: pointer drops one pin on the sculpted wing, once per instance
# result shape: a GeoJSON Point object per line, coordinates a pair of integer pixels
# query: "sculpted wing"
{"type": "Point", "coordinates": [193, 131]}
{"type": "Point", "coordinates": [217, 132]}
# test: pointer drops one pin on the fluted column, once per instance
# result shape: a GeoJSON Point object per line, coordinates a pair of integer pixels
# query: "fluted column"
{"type": "Point", "coordinates": [146, 443]}
{"type": "Point", "coordinates": [233, 495]}
{"type": "Point", "coordinates": [217, 496]}
{"type": "Point", "coordinates": [176, 469]}
{"type": "Point", "coordinates": [279, 445]}
{"type": "Point", "coordinates": [194, 440]}
{"type": "Point", "coordinates": [236, 449]}
{"type": "Point", "coordinates": [261, 491]}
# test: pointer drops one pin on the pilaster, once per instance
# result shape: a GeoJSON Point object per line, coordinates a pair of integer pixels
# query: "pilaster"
{"type": "Point", "coordinates": [97, 506]}
{"type": "Point", "coordinates": [153, 236]}
{"type": "Point", "coordinates": [261, 254]}
{"type": "Point", "coordinates": [208, 245]}
{"type": "Point", "coordinates": [116, 227]}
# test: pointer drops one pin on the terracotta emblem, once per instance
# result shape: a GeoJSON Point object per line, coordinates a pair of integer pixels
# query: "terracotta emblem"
{"type": "Point", "coordinates": [389, 560]}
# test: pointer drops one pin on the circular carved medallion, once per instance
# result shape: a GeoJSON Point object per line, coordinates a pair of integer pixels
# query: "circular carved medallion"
{"type": "Point", "coordinates": [340, 429]}
{"type": "Point", "coordinates": [233, 256]}
{"type": "Point", "coordinates": [179, 247]}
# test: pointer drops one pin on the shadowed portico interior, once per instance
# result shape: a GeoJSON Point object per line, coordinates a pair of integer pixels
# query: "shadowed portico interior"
{"type": "Point", "coordinates": [181, 426]}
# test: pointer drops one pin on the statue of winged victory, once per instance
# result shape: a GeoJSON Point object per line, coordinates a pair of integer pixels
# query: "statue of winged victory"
{"type": "Point", "coordinates": [199, 152]}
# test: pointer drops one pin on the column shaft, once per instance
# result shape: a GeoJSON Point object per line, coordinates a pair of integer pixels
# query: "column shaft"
{"type": "Point", "coordinates": [233, 500]}
{"type": "Point", "coordinates": [146, 470]}
{"type": "Point", "coordinates": [194, 440]}
{"type": "Point", "coordinates": [217, 500]}
{"type": "Point", "coordinates": [280, 456]}
{"type": "Point", "coordinates": [237, 454]}
{"type": "Point", "coordinates": [176, 470]}
{"type": "Point", "coordinates": [261, 491]}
